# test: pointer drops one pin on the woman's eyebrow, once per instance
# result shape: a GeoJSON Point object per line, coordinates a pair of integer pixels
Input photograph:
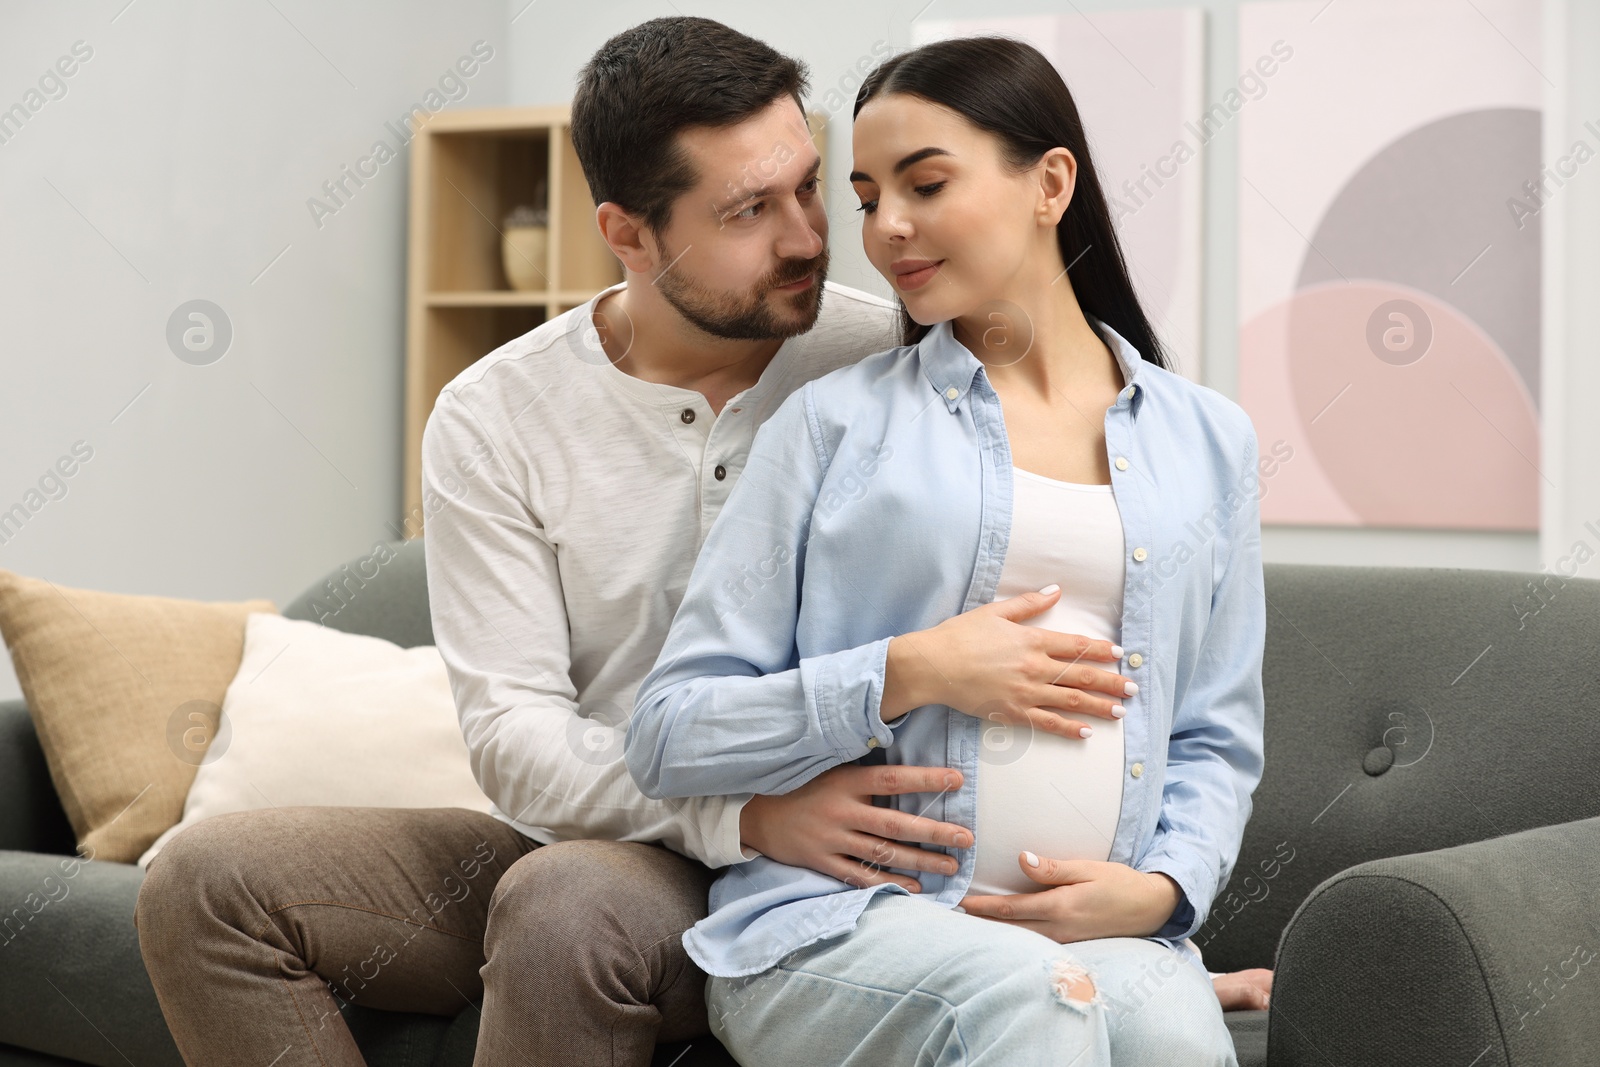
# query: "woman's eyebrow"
{"type": "Point", "coordinates": [916, 157]}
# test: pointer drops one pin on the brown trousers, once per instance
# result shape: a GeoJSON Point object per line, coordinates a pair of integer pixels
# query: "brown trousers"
{"type": "Point", "coordinates": [255, 926]}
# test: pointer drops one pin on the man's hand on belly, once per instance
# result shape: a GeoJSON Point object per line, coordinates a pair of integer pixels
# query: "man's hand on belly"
{"type": "Point", "coordinates": [830, 825]}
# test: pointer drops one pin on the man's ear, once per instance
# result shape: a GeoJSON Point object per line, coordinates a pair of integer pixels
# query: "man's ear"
{"type": "Point", "coordinates": [628, 239]}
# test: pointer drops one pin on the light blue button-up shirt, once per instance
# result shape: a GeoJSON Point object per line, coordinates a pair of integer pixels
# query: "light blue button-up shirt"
{"type": "Point", "coordinates": [876, 501]}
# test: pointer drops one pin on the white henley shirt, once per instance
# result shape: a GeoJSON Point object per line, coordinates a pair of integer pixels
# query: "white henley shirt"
{"type": "Point", "coordinates": [565, 502]}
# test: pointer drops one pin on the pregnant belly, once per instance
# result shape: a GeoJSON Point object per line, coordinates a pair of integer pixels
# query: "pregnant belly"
{"type": "Point", "coordinates": [1059, 797]}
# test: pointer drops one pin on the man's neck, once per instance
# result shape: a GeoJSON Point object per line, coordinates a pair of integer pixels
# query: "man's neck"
{"type": "Point", "coordinates": [652, 342]}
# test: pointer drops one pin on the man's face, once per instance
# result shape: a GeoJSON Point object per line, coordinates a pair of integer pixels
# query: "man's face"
{"type": "Point", "coordinates": [745, 253]}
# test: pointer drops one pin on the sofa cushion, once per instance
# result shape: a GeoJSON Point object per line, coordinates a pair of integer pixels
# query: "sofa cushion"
{"type": "Point", "coordinates": [125, 692]}
{"type": "Point", "coordinates": [73, 983]}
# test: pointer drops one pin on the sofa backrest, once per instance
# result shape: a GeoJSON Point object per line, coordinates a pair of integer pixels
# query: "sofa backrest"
{"type": "Point", "coordinates": [1408, 709]}
{"type": "Point", "coordinates": [383, 593]}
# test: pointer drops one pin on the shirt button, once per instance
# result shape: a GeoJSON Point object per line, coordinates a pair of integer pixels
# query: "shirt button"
{"type": "Point", "coordinates": [872, 742]}
{"type": "Point", "coordinates": [1135, 659]}
{"type": "Point", "coordinates": [688, 415]}
{"type": "Point", "coordinates": [1128, 392]}
{"type": "Point", "coordinates": [721, 472]}
{"type": "Point", "coordinates": [1122, 464]}
{"type": "Point", "coordinates": [1137, 770]}
{"type": "Point", "coordinates": [952, 392]}
{"type": "Point", "coordinates": [1140, 554]}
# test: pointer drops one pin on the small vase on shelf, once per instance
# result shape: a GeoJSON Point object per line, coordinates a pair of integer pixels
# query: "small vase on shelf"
{"type": "Point", "coordinates": [525, 248]}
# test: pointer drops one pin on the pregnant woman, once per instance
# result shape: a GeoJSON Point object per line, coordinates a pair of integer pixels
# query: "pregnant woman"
{"type": "Point", "coordinates": [903, 574]}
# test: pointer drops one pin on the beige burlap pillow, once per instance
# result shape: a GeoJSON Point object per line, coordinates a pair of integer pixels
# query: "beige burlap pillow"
{"type": "Point", "coordinates": [125, 693]}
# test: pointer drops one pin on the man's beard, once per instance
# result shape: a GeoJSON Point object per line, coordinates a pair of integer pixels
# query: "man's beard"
{"type": "Point", "coordinates": [749, 318]}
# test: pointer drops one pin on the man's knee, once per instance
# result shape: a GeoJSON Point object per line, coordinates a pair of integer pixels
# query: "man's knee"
{"type": "Point", "coordinates": [187, 860]}
{"type": "Point", "coordinates": [617, 900]}
{"type": "Point", "coordinates": [184, 885]}
{"type": "Point", "coordinates": [563, 889]}
{"type": "Point", "coordinates": [204, 872]}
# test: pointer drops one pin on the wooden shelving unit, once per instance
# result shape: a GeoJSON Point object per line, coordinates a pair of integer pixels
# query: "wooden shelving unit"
{"type": "Point", "coordinates": [468, 170]}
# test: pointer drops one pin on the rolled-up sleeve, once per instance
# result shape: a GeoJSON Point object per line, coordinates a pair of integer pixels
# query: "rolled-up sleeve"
{"type": "Point", "coordinates": [730, 706]}
{"type": "Point", "coordinates": [1215, 754]}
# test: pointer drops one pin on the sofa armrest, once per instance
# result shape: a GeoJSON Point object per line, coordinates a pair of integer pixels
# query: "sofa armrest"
{"type": "Point", "coordinates": [1485, 954]}
{"type": "Point", "coordinates": [31, 819]}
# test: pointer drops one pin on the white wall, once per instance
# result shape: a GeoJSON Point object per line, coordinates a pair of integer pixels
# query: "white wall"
{"type": "Point", "coordinates": [178, 166]}
{"type": "Point", "coordinates": [552, 41]}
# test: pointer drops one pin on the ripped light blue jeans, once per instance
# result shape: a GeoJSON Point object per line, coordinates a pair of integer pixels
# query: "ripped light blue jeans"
{"type": "Point", "coordinates": [919, 985]}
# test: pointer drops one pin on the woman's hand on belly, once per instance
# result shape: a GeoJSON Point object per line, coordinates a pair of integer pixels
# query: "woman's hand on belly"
{"type": "Point", "coordinates": [830, 825]}
{"type": "Point", "coordinates": [988, 663]}
{"type": "Point", "coordinates": [1085, 899]}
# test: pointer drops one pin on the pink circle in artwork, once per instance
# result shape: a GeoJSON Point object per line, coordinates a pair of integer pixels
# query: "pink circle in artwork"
{"type": "Point", "coordinates": [1415, 415]}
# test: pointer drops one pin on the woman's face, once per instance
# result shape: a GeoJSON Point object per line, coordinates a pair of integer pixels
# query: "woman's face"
{"type": "Point", "coordinates": [946, 222]}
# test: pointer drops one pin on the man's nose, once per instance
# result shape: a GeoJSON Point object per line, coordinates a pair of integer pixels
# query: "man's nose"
{"type": "Point", "coordinates": [799, 240]}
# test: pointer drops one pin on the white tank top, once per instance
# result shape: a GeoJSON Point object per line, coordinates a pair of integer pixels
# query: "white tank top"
{"type": "Point", "coordinates": [1059, 797]}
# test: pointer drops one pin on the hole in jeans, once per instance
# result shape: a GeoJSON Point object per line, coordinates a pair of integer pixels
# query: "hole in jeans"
{"type": "Point", "coordinates": [1070, 983]}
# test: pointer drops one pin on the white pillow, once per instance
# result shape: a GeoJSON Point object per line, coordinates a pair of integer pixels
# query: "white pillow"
{"type": "Point", "coordinates": [317, 716]}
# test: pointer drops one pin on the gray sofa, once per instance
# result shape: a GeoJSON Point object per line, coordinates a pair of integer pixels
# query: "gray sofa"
{"type": "Point", "coordinates": [1422, 874]}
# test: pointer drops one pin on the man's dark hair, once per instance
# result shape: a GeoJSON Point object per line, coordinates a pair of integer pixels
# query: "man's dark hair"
{"type": "Point", "coordinates": [648, 83]}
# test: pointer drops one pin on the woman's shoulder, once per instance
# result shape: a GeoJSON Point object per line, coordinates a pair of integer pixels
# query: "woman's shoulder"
{"type": "Point", "coordinates": [869, 368]}
{"type": "Point", "coordinates": [869, 381]}
{"type": "Point", "coordinates": [1208, 412]}
{"type": "Point", "coordinates": [861, 398]}
{"type": "Point", "coordinates": [833, 399]}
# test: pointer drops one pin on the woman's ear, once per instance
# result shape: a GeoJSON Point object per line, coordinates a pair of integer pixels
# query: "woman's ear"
{"type": "Point", "coordinates": [1058, 177]}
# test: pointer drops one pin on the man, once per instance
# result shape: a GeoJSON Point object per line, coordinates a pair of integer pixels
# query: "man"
{"type": "Point", "coordinates": [575, 471]}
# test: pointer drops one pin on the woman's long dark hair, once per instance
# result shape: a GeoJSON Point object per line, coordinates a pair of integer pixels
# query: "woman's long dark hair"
{"type": "Point", "coordinates": [1010, 89]}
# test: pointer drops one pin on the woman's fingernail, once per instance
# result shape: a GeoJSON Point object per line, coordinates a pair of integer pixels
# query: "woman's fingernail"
{"type": "Point", "coordinates": [1118, 711]}
{"type": "Point", "coordinates": [1116, 650]}
{"type": "Point", "coordinates": [1086, 731]}
{"type": "Point", "coordinates": [1051, 588]}
{"type": "Point", "coordinates": [1033, 861]}
{"type": "Point", "coordinates": [959, 908]}
{"type": "Point", "coordinates": [1130, 689]}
